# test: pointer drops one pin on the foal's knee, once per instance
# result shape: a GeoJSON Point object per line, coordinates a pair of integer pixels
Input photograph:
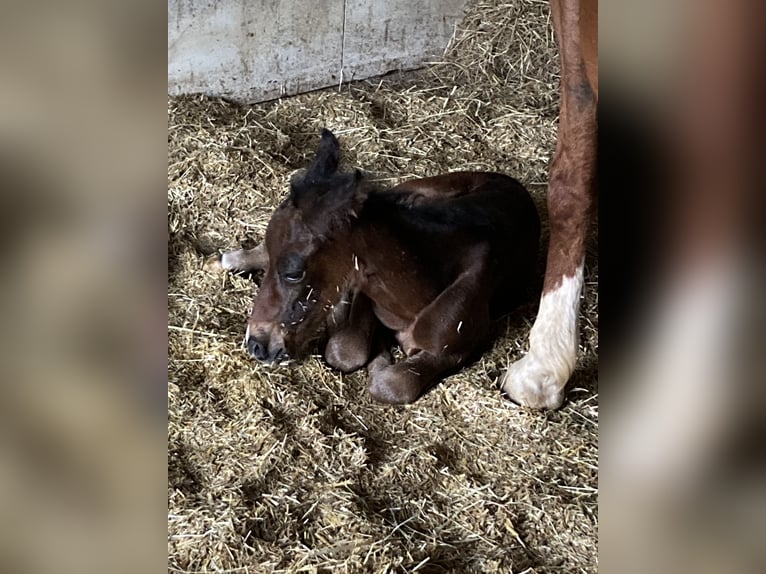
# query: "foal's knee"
{"type": "Point", "coordinates": [392, 385]}
{"type": "Point", "coordinates": [347, 351]}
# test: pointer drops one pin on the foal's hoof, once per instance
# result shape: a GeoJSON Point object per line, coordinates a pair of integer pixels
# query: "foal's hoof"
{"type": "Point", "coordinates": [213, 264]}
{"type": "Point", "coordinates": [531, 383]}
{"type": "Point", "coordinates": [391, 386]}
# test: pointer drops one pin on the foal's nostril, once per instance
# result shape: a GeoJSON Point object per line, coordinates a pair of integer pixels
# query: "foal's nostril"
{"type": "Point", "coordinates": [257, 349]}
{"type": "Point", "coordinates": [260, 351]}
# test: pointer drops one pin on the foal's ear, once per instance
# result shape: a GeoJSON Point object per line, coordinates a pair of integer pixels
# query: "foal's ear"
{"type": "Point", "coordinates": [328, 207]}
{"type": "Point", "coordinates": [328, 154]}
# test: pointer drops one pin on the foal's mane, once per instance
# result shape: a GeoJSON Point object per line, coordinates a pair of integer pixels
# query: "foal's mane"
{"type": "Point", "coordinates": [434, 215]}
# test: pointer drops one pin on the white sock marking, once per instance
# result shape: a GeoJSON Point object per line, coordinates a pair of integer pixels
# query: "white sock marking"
{"type": "Point", "coordinates": [538, 379]}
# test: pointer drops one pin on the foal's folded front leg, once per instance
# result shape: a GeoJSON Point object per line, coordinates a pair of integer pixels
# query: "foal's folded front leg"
{"type": "Point", "coordinates": [445, 334]}
{"type": "Point", "coordinates": [405, 381]}
{"type": "Point", "coordinates": [350, 342]}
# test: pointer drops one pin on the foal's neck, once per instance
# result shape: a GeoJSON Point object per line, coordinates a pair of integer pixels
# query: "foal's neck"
{"type": "Point", "coordinates": [383, 262]}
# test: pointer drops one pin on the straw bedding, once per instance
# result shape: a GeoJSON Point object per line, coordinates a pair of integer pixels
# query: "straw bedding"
{"type": "Point", "coordinates": [295, 469]}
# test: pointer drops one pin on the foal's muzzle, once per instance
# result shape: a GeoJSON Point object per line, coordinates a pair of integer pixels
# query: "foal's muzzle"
{"type": "Point", "coordinates": [260, 351]}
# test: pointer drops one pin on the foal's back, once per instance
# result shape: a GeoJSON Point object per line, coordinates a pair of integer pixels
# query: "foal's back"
{"type": "Point", "coordinates": [446, 220]}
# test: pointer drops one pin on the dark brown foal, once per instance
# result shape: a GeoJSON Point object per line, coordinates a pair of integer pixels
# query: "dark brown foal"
{"type": "Point", "coordinates": [430, 261]}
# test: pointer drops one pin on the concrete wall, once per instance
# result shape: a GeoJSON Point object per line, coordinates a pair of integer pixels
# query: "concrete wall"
{"type": "Point", "coordinates": [255, 50]}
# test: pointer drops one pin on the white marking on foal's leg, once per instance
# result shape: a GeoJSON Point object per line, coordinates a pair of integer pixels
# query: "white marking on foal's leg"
{"type": "Point", "coordinates": [232, 260]}
{"type": "Point", "coordinates": [253, 259]}
{"type": "Point", "coordinates": [247, 336]}
{"type": "Point", "coordinates": [539, 378]}
{"type": "Point", "coordinates": [213, 264]}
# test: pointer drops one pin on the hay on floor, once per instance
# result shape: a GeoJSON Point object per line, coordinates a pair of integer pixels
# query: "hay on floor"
{"type": "Point", "coordinates": [295, 469]}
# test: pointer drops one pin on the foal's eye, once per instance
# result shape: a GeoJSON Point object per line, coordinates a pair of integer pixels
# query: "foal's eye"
{"type": "Point", "coordinates": [294, 276]}
{"type": "Point", "coordinates": [292, 268]}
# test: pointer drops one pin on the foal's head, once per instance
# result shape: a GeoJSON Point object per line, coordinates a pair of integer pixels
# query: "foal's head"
{"type": "Point", "coordinates": [307, 243]}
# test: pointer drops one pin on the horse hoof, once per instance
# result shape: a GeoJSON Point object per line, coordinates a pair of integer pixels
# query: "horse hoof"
{"type": "Point", "coordinates": [531, 383]}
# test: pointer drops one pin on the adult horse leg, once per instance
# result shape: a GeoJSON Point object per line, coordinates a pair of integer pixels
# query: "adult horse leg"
{"type": "Point", "coordinates": [539, 378]}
